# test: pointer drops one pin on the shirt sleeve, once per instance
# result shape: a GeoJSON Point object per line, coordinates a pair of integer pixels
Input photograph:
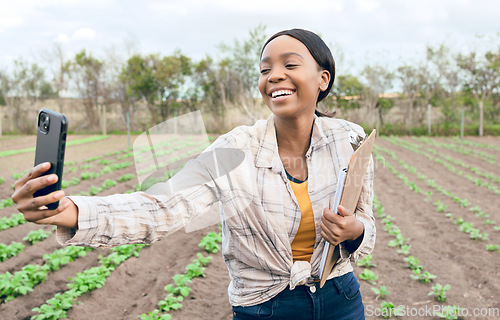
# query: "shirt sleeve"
{"type": "Point", "coordinates": [145, 217]}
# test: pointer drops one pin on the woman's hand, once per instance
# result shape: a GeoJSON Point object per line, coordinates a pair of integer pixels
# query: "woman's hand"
{"type": "Point", "coordinates": [34, 209]}
{"type": "Point", "coordinates": [337, 228]}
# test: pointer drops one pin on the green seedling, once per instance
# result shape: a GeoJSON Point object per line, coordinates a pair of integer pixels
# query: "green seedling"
{"type": "Point", "coordinates": [440, 207]}
{"type": "Point", "coordinates": [35, 236]}
{"type": "Point", "coordinates": [450, 312]}
{"type": "Point", "coordinates": [368, 276]}
{"type": "Point", "coordinates": [398, 242]}
{"type": "Point", "coordinates": [389, 310]}
{"type": "Point", "coordinates": [211, 241]}
{"type": "Point", "coordinates": [424, 277]}
{"type": "Point", "coordinates": [413, 263]}
{"type": "Point", "coordinates": [381, 292]}
{"type": "Point", "coordinates": [428, 196]}
{"type": "Point", "coordinates": [366, 262]}
{"type": "Point", "coordinates": [404, 250]}
{"type": "Point", "coordinates": [11, 250]}
{"type": "Point", "coordinates": [439, 291]}
{"type": "Point", "coordinates": [170, 302]}
{"type": "Point", "coordinates": [492, 247]}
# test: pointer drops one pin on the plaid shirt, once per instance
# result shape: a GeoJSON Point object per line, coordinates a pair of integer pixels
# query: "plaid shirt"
{"type": "Point", "coordinates": [239, 180]}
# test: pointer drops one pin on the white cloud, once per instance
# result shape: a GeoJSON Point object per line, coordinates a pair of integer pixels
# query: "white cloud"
{"type": "Point", "coordinates": [62, 38]}
{"type": "Point", "coordinates": [255, 6]}
{"type": "Point", "coordinates": [367, 5]}
{"type": "Point", "coordinates": [83, 33]}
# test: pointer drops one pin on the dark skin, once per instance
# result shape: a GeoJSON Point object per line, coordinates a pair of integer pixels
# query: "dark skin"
{"type": "Point", "coordinates": [286, 67]}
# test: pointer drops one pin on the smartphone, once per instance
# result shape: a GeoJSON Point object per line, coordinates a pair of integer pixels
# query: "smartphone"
{"type": "Point", "coordinates": [52, 128]}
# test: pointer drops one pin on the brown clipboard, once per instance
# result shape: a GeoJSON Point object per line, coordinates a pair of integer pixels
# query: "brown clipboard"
{"type": "Point", "coordinates": [356, 170]}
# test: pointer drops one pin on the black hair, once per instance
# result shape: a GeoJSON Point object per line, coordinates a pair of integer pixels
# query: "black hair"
{"type": "Point", "coordinates": [319, 51]}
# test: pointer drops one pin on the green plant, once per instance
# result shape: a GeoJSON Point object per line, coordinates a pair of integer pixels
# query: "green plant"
{"type": "Point", "coordinates": [404, 250]}
{"type": "Point", "coordinates": [413, 263]}
{"type": "Point", "coordinates": [382, 292]}
{"type": "Point", "coordinates": [450, 312]}
{"type": "Point", "coordinates": [389, 310]}
{"type": "Point", "coordinates": [35, 236]}
{"type": "Point", "coordinates": [422, 276]}
{"type": "Point", "coordinates": [108, 183]}
{"type": "Point", "coordinates": [366, 262]}
{"type": "Point", "coordinates": [439, 291]}
{"type": "Point", "coordinates": [126, 177]}
{"type": "Point", "coordinates": [11, 250]}
{"type": "Point", "coordinates": [180, 287]}
{"type": "Point", "coordinates": [492, 247]}
{"type": "Point", "coordinates": [171, 302]}
{"type": "Point", "coordinates": [155, 315]}
{"type": "Point", "coordinates": [368, 276]}
{"type": "Point", "coordinates": [211, 241]}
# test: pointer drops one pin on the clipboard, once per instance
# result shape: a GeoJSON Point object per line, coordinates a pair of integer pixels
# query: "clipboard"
{"type": "Point", "coordinates": [351, 191]}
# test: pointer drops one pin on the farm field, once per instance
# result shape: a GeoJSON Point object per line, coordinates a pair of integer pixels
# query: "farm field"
{"type": "Point", "coordinates": [437, 221]}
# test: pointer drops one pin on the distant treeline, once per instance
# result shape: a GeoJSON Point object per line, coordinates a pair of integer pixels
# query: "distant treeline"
{"type": "Point", "coordinates": [226, 85]}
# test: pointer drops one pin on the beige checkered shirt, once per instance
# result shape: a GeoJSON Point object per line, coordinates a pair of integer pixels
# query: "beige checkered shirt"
{"type": "Point", "coordinates": [239, 180]}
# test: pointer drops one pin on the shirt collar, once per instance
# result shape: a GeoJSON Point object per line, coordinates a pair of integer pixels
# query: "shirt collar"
{"type": "Point", "coordinates": [267, 155]}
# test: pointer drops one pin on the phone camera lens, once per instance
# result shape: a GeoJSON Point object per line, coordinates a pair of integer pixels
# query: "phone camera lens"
{"type": "Point", "coordinates": [43, 117]}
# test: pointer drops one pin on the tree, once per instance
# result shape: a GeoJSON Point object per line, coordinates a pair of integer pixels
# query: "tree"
{"type": "Point", "coordinates": [411, 84]}
{"type": "Point", "coordinates": [347, 92]}
{"type": "Point", "coordinates": [22, 91]}
{"type": "Point", "coordinates": [86, 72]}
{"type": "Point", "coordinates": [378, 80]}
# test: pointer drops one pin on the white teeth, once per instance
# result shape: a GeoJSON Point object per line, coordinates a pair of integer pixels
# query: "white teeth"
{"type": "Point", "coordinates": [281, 92]}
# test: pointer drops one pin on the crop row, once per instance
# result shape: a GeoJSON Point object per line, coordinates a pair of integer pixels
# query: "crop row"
{"type": "Point", "coordinates": [434, 157]}
{"type": "Point", "coordinates": [86, 281]}
{"type": "Point", "coordinates": [176, 292]}
{"type": "Point", "coordinates": [14, 248]}
{"type": "Point", "coordinates": [388, 309]}
{"type": "Point", "coordinates": [474, 233]}
{"type": "Point", "coordinates": [474, 143]}
{"type": "Point", "coordinates": [461, 149]}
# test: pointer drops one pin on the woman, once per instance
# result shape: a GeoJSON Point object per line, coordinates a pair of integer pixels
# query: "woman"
{"type": "Point", "coordinates": [276, 191]}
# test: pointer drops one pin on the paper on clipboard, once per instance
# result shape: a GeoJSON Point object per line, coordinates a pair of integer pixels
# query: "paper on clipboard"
{"type": "Point", "coordinates": [336, 202]}
{"type": "Point", "coordinates": [348, 198]}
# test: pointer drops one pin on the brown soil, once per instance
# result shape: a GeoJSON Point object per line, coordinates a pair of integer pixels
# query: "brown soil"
{"type": "Point", "coordinates": [137, 285]}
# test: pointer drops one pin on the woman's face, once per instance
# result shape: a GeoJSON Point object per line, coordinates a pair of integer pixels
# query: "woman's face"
{"type": "Point", "coordinates": [290, 79]}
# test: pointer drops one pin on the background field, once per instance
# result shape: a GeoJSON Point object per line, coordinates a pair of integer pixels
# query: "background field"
{"type": "Point", "coordinates": [440, 194]}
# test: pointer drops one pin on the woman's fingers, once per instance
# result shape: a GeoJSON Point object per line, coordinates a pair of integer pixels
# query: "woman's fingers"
{"type": "Point", "coordinates": [44, 216]}
{"type": "Point", "coordinates": [26, 191]}
{"type": "Point", "coordinates": [37, 202]}
{"type": "Point", "coordinates": [35, 172]}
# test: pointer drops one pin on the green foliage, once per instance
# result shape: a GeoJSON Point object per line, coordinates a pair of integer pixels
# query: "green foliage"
{"type": "Point", "coordinates": [422, 276]}
{"type": "Point", "coordinates": [155, 315]}
{"type": "Point", "coordinates": [492, 247]}
{"type": "Point", "coordinates": [11, 250]}
{"type": "Point", "coordinates": [368, 276]}
{"type": "Point", "coordinates": [35, 236]}
{"type": "Point", "coordinates": [450, 312]}
{"type": "Point", "coordinates": [6, 203]}
{"type": "Point", "coordinates": [366, 262]}
{"type": "Point", "coordinates": [388, 310]}
{"type": "Point", "coordinates": [211, 241]}
{"type": "Point", "coordinates": [381, 292]}
{"type": "Point", "coordinates": [439, 291]}
{"type": "Point", "coordinates": [12, 221]}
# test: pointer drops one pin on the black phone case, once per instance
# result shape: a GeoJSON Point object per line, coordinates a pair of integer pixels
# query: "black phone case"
{"type": "Point", "coordinates": [50, 147]}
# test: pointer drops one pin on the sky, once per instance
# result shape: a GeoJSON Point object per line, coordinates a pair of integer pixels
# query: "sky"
{"type": "Point", "coordinates": [359, 32]}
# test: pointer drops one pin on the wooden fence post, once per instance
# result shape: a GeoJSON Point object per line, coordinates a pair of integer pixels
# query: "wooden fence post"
{"type": "Point", "coordinates": [481, 118]}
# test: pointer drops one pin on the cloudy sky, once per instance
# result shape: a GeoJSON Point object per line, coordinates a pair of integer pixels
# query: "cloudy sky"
{"type": "Point", "coordinates": [365, 31]}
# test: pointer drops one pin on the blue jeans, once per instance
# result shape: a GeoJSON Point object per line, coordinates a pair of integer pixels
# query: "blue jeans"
{"type": "Point", "coordinates": [338, 299]}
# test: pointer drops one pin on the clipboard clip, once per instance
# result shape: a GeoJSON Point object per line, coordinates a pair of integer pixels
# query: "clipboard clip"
{"type": "Point", "coordinates": [356, 140]}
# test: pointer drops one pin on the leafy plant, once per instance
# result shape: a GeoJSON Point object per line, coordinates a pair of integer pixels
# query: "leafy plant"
{"type": "Point", "coordinates": [366, 262]}
{"type": "Point", "coordinates": [450, 312]}
{"type": "Point", "coordinates": [35, 236]}
{"type": "Point", "coordinates": [389, 310]}
{"type": "Point", "coordinates": [422, 276]}
{"type": "Point", "coordinates": [382, 292]}
{"type": "Point", "coordinates": [405, 249]}
{"type": "Point", "coordinates": [11, 250]}
{"type": "Point", "coordinates": [171, 302]}
{"type": "Point", "coordinates": [439, 291]}
{"type": "Point", "coordinates": [180, 288]}
{"type": "Point", "coordinates": [155, 315]}
{"type": "Point", "coordinates": [368, 276]}
{"type": "Point", "coordinates": [211, 241]}
{"type": "Point", "coordinates": [413, 263]}
{"type": "Point", "coordinates": [492, 247]}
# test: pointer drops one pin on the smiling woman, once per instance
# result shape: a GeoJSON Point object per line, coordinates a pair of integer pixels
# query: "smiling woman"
{"type": "Point", "coordinates": [273, 185]}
